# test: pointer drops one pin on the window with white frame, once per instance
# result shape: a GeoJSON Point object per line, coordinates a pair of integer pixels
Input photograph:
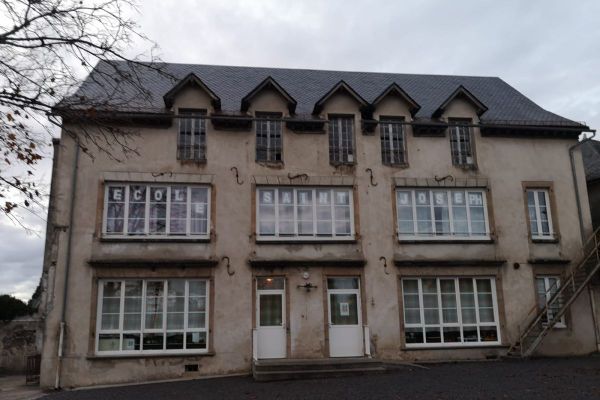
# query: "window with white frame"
{"type": "Point", "coordinates": [461, 143]}
{"type": "Point", "coordinates": [341, 140]}
{"type": "Point", "coordinates": [191, 143]}
{"type": "Point", "coordinates": [540, 218]}
{"type": "Point", "coordinates": [439, 214]}
{"type": "Point", "coordinates": [393, 144]}
{"type": "Point", "coordinates": [450, 311]}
{"type": "Point", "coordinates": [547, 287]}
{"type": "Point", "coordinates": [156, 210]}
{"type": "Point", "coordinates": [152, 316]}
{"type": "Point", "coordinates": [304, 213]}
{"type": "Point", "coordinates": [268, 137]}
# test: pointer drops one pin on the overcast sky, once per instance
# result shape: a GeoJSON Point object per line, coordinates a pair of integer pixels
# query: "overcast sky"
{"type": "Point", "coordinates": [548, 50]}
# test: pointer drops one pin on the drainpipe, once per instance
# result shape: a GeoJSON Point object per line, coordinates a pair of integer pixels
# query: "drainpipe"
{"type": "Point", "coordinates": [574, 173]}
{"type": "Point", "coordinates": [63, 322]}
{"type": "Point", "coordinates": [582, 230]}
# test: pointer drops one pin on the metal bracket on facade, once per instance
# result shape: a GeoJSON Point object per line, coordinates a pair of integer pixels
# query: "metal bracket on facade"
{"type": "Point", "coordinates": [370, 172]}
{"type": "Point", "coordinates": [237, 175]}
{"type": "Point", "coordinates": [292, 177]}
{"type": "Point", "coordinates": [307, 286]}
{"type": "Point", "coordinates": [157, 174]}
{"type": "Point", "coordinates": [443, 178]}
{"type": "Point", "coordinates": [228, 265]}
{"type": "Point", "coordinates": [382, 258]}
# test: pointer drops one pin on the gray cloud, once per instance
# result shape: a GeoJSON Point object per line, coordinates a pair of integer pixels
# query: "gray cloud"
{"type": "Point", "coordinates": [547, 49]}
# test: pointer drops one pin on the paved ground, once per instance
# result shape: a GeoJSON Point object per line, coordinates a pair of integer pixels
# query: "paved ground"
{"type": "Point", "coordinates": [12, 387]}
{"type": "Point", "coordinates": [572, 378]}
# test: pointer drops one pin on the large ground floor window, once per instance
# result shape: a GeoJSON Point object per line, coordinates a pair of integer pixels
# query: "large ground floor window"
{"type": "Point", "coordinates": [152, 316]}
{"type": "Point", "coordinates": [450, 312]}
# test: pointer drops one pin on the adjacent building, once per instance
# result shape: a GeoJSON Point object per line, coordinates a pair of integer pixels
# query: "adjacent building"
{"type": "Point", "coordinates": [287, 213]}
{"type": "Point", "coordinates": [591, 162]}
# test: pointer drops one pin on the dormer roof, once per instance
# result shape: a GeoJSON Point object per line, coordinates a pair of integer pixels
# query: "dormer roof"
{"type": "Point", "coordinates": [341, 85]}
{"type": "Point", "coordinates": [461, 91]}
{"type": "Point", "coordinates": [269, 83]}
{"type": "Point", "coordinates": [394, 88]}
{"type": "Point", "coordinates": [191, 79]}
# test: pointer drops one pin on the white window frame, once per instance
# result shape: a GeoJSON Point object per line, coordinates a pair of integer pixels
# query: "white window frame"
{"type": "Point", "coordinates": [296, 236]}
{"type": "Point", "coordinates": [458, 324]}
{"type": "Point", "coordinates": [452, 235]}
{"type": "Point", "coordinates": [548, 295]}
{"type": "Point", "coordinates": [540, 235]}
{"type": "Point", "coordinates": [147, 235]}
{"type": "Point", "coordinates": [455, 141]}
{"type": "Point", "coordinates": [142, 330]}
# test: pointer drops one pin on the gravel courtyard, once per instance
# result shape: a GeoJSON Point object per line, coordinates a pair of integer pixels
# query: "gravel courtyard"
{"type": "Point", "coordinates": [568, 378]}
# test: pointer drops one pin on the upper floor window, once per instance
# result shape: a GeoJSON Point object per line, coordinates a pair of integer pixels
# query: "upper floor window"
{"type": "Point", "coordinates": [439, 214]}
{"type": "Point", "coordinates": [341, 140]}
{"type": "Point", "coordinates": [393, 142]}
{"type": "Point", "coordinates": [305, 213]}
{"type": "Point", "coordinates": [152, 316]}
{"type": "Point", "coordinates": [540, 219]}
{"type": "Point", "coordinates": [268, 137]}
{"type": "Point", "coordinates": [156, 210]}
{"type": "Point", "coordinates": [191, 143]}
{"type": "Point", "coordinates": [450, 311]}
{"type": "Point", "coordinates": [461, 143]}
{"type": "Point", "coordinates": [547, 287]}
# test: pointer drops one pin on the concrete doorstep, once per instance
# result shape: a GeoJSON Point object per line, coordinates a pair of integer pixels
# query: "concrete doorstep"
{"type": "Point", "coordinates": [13, 387]}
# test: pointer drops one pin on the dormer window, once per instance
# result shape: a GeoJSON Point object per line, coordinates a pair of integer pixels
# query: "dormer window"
{"type": "Point", "coordinates": [393, 143]}
{"type": "Point", "coordinates": [268, 137]}
{"type": "Point", "coordinates": [341, 140]}
{"type": "Point", "coordinates": [191, 143]}
{"type": "Point", "coordinates": [461, 143]}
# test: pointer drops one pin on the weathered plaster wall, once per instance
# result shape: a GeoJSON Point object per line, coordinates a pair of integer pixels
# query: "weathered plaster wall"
{"type": "Point", "coordinates": [18, 339]}
{"type": "Point", "coordinates": [505, 162]}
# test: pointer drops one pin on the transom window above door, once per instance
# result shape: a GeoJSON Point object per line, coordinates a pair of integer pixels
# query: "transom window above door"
{"type": "Point", "coordinates": [156, 211]}
{"type": "Point", "coordinates": [294, 213]}
{"type": "Point", "coordinates": [442, 214]}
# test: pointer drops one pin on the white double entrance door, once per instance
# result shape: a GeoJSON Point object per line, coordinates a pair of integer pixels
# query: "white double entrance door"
{"type": "Point", "coordinates": [270, 317]}
{"type": "Point", "coordinates": [345, 317]}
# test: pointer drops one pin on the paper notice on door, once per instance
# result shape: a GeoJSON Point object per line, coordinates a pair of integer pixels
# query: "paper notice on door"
{"type": "Point", "coordinates": [344, 309]}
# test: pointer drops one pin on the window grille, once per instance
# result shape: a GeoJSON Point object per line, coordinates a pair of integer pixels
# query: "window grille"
{"type": "Point", "coordinates": [191, 143]}
{"type": "Point", "coordinates": [341, 140]}
{"type": "Point", "coordinates": [461, 145]}
{"type": "Point", "coordinates": [268, 138]}
{"type": "Point", "coordinates": [393, 144]}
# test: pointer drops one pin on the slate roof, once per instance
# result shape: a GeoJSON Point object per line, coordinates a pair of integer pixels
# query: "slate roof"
{"type": "Point", "coordinates": [591, 159]}
{"type": "Point", "coordinates": [231, 84]}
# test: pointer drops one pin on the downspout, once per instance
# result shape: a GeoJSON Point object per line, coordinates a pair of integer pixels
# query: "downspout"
{"type": "Point", "coordinates": [582, 230]}
{"type": "Point", "coordinates": [63, 322]}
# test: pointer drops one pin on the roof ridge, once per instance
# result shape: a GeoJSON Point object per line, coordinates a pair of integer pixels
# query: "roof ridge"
{"type": "Point", "coordinates": [311, 69]}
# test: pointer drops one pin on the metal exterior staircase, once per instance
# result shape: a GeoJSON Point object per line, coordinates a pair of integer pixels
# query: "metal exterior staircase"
{"type": "Point", "coordinates": [573, 281]}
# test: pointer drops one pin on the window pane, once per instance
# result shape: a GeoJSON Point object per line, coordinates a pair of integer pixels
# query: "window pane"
{"type": "Point", "coordinates": [432, 335]}
{"type": "Point", "coordinates": [178, 221]}
{"type": "Point", "coordinates": [153, 341]}
{"type": "Point", "coordinates": [110, 342]}
{"type": "Point", "coordinates": [270, 283]}
{"type": "Point", "coordinates": [137, 209]}
{"type": "Point", "coordinates": [341, 140]}
{"type": "Point", "coordinates": [131, 341]}
{"type": "Point", "coordinates": [271, 309]}
{"type": "Point", "coordinates": [452, 334]}
{"type": "Point", "coordinates": [196, 340]}
{"type": "Point", "coordinates": [488, 334]}
{"type": "Point", "coordinates": [343, 309]}
{"type": "Point", "coordinates": [305, 212]}
{"type": "Point", "coordinates": [174, 341]}
{"type": "Point", "coordinates": [199, 211]}
{"type": "Point", "coordinates": [342, 283]}
{"type": "Point", "coordinates": [414, 335]}
{"type": "Point", "coordinates": [197, 288]}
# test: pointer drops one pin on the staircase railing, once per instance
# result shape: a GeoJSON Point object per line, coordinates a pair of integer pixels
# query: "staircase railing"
{"type": "Point", "coordinates": [565, 291]}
